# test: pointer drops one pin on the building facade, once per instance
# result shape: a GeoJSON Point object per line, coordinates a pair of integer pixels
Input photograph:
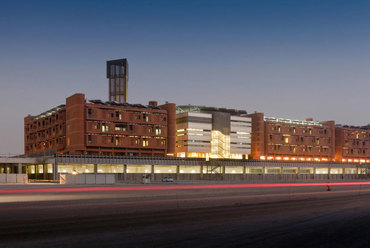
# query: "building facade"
{"type": "Point", "coordinates": [103, 128]}
{"type": "Point", "coordinates": [352, 144]}
{"type": "Point", "coordinates": [285, 139]}
{"type": "Point", "coordinates": [208, 132]}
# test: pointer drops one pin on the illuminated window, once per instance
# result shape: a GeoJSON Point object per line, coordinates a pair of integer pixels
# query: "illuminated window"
{"type": "Point", "coordinates": [145, 117]}
{"type": "Point", "coordinates": [158, 131]}
{"type": "Point", "coordinates": [220, 145]}
{"type": "Point", "coordinates": [120, 127]}
{"type": "Point", "coordinates": [286, 140]}
{"type": "Point", "coordinates": [104, 128]}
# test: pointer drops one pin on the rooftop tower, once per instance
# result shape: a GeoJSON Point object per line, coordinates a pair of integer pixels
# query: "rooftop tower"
{"type": "Point", "coordinates": [117, 73]}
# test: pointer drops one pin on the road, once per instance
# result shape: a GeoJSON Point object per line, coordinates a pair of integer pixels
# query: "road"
{"type": "Point", "coordinates": [185, 217]}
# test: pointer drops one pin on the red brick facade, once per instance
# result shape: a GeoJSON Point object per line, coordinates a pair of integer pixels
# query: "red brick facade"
{"type": "Point", "coordinates": [281, 139]}
{"type": "Point", "coordinates": [95, 127]}
{"type": "Point", "coordinates": [352, 144]}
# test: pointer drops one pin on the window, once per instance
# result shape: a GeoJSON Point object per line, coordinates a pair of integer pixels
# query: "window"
{"type": "Point", "coordinates": [286, 139]}
{"type": "Point", "coordinates": [89, 113]}
{"type": "Point", "coordinates": [89, 139]}
{"type": "Point", "coordinates": [120, 127]}
{"type": "Point", "coordinates": [145, 143]}
{"type": "Point", "coordinates": [145, 117]}
{"type": "Point", "coordinates": [158, 131]}
{"type": "Point", "coordinates": [104, 128]}
{"type": "Point", "coordinates": [118, 116]}
{"type": "Point", "coordinates": [293, 129]}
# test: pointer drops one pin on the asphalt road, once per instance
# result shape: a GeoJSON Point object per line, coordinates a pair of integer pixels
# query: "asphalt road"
{"type": "Point", "coordinates": [216, 217]}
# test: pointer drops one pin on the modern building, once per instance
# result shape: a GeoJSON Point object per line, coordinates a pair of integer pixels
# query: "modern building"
{"type": "Point", "coordinates": [209, 132]}
{"type": "Point", "coordinates": [83, 126]}
{"type": "Point", "coordinates": [117, 73]}
{"type": "Point", "coordinates": [352, 144]}
{"type": "Point", "coordinates": [285, 139]}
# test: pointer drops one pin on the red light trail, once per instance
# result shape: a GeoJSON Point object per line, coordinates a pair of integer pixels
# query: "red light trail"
{"type": "Point", "coordinates": [171, 187]}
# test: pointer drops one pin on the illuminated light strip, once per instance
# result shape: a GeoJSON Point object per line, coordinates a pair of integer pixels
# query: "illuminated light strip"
{"type": "Point", "coordinates": [230, 186]}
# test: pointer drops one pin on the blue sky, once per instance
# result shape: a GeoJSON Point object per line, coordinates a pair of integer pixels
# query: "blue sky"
{"type": "Point", "coordinates": [291, 59]}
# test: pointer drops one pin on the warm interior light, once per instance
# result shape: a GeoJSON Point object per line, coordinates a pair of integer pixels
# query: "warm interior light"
{"type": "Point", "coordinates": [278, 158]}
{"type": "Point", "coordinates": [286, 158]}
{"type": "Point", "coordinates": [263, 157]}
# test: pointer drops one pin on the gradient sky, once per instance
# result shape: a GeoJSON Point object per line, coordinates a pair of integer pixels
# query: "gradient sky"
{"type": "Point", "coordinates": [291, 59]}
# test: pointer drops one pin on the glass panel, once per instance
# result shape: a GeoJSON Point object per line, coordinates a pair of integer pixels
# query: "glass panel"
{"type": "Point", "coordinates": [139, 168]}
{"type": "Point", "coordinates": [79, 168]}
{"type": "Point", "coordinates": [110, 168]}
{"type": "Point", "coordinates": [164, 169]}
{"type": "Point", "coordinates": [189, 169]}
{"type": "Point", "coordinates": [234, 170]}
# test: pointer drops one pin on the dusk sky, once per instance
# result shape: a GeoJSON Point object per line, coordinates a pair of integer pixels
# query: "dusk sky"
{"type": "Point", "coordinates": [291, 59]}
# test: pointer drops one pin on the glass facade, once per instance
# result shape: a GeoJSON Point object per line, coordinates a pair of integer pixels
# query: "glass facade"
{"type": "Point", "coordinates": [220, 145]}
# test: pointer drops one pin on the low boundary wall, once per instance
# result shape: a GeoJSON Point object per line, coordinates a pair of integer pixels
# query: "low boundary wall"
{"type": "Point", "coordinates": [88, 179]}
{"type": "Point", "coordinates": [14, 178]}
{"type": "Point", "coordinates": [247, 178]}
